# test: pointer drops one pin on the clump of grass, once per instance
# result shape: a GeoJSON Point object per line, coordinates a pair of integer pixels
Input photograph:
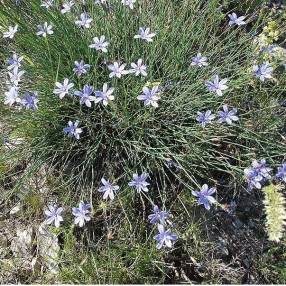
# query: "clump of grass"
{"type": "Point", "coordinates": [126, 136]}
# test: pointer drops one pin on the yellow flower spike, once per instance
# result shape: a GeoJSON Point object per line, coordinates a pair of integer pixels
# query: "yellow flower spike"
{"type": "Point", "coordinates": [103, 205]}
{"type": "Point", "coordinates": [152, 84]}
{"type": "Point", "coordinates": [27, 59]}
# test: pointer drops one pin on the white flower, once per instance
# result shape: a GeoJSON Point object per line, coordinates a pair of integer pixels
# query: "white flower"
{"type": "Point", "coordinates": [82, 214]}
{"type": "Point", "coordinates": [99, 44]}
{"type": "Point", "coordinates": [47, 3]}
{"type": "Point", "coordinates": [105, 95]}
{"type": "Point", "coordinates": [234, 20]}
{"type": "Point", "coordinates": [14, 62]}
{"type": "Point", "coordinates": [67, 7]}
{"type": "Point", "coordinates": [199, 60]}
{"type": "Point", "coordinates": [150, 97]}
{"type": "Point", "coordinates": [12, 96]}
{"type": "Point", "coordinates": [108, 189]}
{"type": "Point", "coordinates": [217, 86]}
{"type": "Point", "coordinates": [44, 30]}
{"type": "Point", "coordinates": [144, 34]}
{"type": "Point", "coordinates": [117, 70]}
{"type": "Point", "coordinates": [129, 3]}
{"type": "Point", "coordinates": [100, 1]}
{"type": "Point", "coordinates": [63, 88]}
{"type": "Point", "coordinates": [15, 76]}
{"type": "Point", "coordinates": [84, 21]}
{"type": "Point", "coordinates": [54, 215]}
{"type": "Point", "coordinates": [139, 68]}
{"type": "Point", "coordinates": [11, 32]}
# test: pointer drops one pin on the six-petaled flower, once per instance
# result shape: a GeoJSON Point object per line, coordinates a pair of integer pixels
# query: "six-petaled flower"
{"type": "Point", "coordinates": [85, 95]}
{"type": "Point", "coordinates": [45, 29]}
{"type": "Point", "coordinates": [84, 21]}
{"type": "Point", "coordinates": [217, 85]}
{"type": "Point", "coordinates": [165, 237]}
{"type": "Point", "coordinates": [117, 70]}
{"type": "Point", "coordinates": [67, 7]}
{"type": "Point", "coordinates": [54, 215]}
{"type": "Point", "coordinates": [199, 60]}
{"type": "Point", "coordinates": [205, 118]}
{"type": "Point", "coordinates": [144, 34]}
{"type": "Point", "coordinates": [234, 20]}
{"type": "Point", "coordinates": [129, 3]}
{"type": "Point", "coordinates": [105, 95]}
{"type": "Point", "coordinates": [80, 68]}
{"type": "Point", "coordinates": [108, 189]}
{"type": "Point", "coordinates": [150, 96]}
{"type": "Point", "coordinates": [99, 44]}
{"type": "Point", "coordinates": [63, 88]}
{"type": "Point", "coordinates": [82, 214]}
{"type": "Point", "coordinates": [227, 116]}
{"type": "Point", "coordinates": [30, 100]}
{"type": "Point", "coordinates": [73, 130]}
{"type": "Point", "coordinates": [11, 32]}
{"type": "Point", "coordinates": [12, 96]}
{"type": "Point", "coordinates": [138, 68]}
{"type": "Point", "coordinates": [205, 196]}
{"type": "Point", "coordinates": [257, 174]}
{"type": "Point", "coordinates": [158, 216]}
{"type": "Point", "coordinates": [281, 173]}
{"type": "Point", "coordinates": [139, 182]}
{"type": "Point", "coordinates": [263, 71]}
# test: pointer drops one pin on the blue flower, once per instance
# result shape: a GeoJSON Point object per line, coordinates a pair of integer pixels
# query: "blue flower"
{"type": "Point", "coordinates": [73, 130]}
{"type": "Point", "coordinates": [63, 88]}
{"type": "Point", "coordinates": [14, 62]}
{"type": "Point", "coordinates": [165, 237]}
{"type": "Point", "coordinates": [205, 117]}
{"type": "Point", "coordinates": [108, 189]}
{"type": "Point", "coordinates": [11, 32]}
{"type": "Point", "coordinates": [144, 34]}
{"type": "Point", "coordinates": [138, 68]}
{"type": "Point", "coordinates": [234, 20]}
{"type": "Point", "coordinates": [158, 216]}
{"type": "Point", "coordinates": [263, 71]}
{"type": "Point", "coordinates": [129, 3]}
{"type": "Point", "coordinates": [105, 95]}
{"type": "Point", "coordinates": [81, 68]}
{"type": "Point", "coordinates": [84, 21]}
{"type": "Point", "coordinates": [30, 100]}
{"type": "Point", "coordinates": [217, 85]}
{"type": "Point", "coordinates": [199, 60]}
{"type": "Point", "coordinates": [139, 182]}
{"type": "Point", "coordinates": [205, 196]}
{"type": "Point", "coordinates": [86, 95]}
{"type": "Point", "coordinates": [15, 76]}
{"type": "Point", "coordinates": [47, 3]}
{"type": "Point", "coordinates": [227, 115]}
{"type": "Point", "coordinates": [54, 215]}
{"type": "Point", "coordinates": [82, 214]}
{"type": "Point", "coordinates": [117, 70]}
{"type": "Point", "coordinates": [281, 174]}
{"type": "Point", "coordinates": [99, 44]}
{"type": "Point", "coordinates": [44, 30]}
{"type": "Point", "coordinates": [12, 96]}
{"type": "Point", "coordinates": [150, 96]}
{"type": "Point", "coordinates": [67, 7]}
{"type": "Point", "coordinates": [257, 175]}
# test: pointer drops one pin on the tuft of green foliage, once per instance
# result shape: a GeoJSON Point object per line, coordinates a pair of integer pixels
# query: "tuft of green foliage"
{"type": "Point", "coordinates": [274, 204]}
